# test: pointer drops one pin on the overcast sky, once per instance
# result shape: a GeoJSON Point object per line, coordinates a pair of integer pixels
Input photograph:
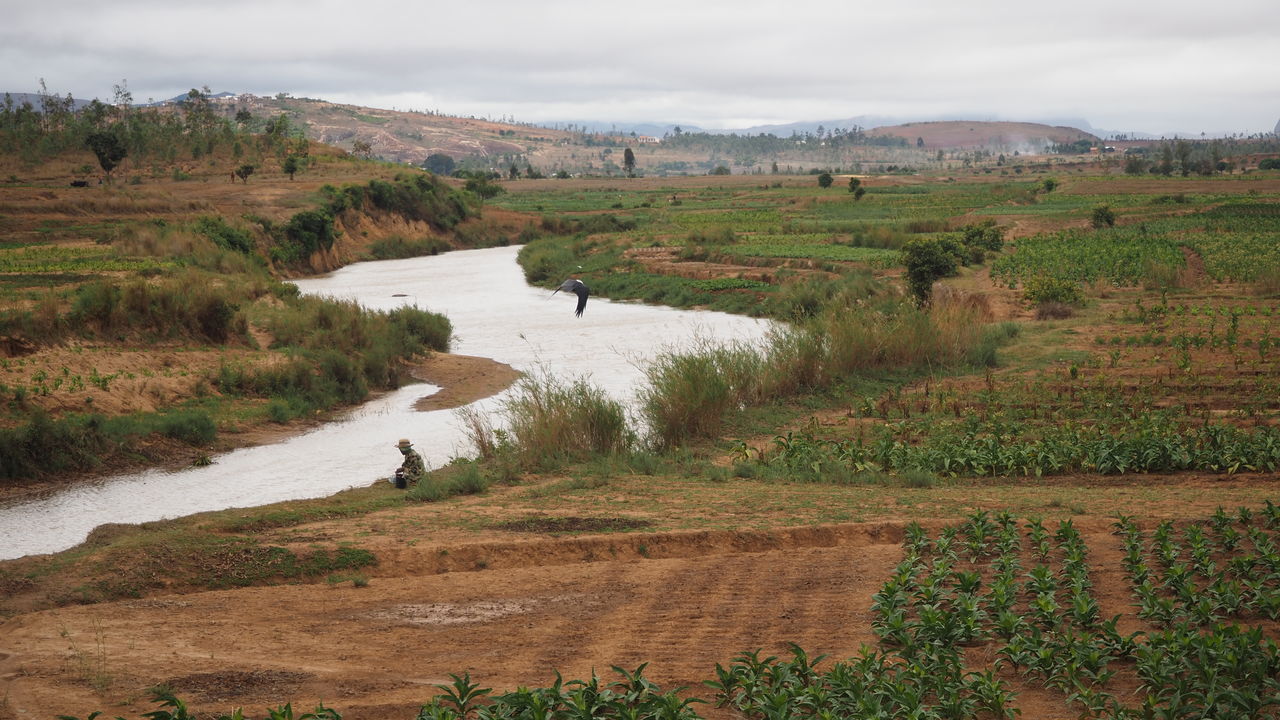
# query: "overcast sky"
{"type": "Point", "coordinates": [1122, 65]}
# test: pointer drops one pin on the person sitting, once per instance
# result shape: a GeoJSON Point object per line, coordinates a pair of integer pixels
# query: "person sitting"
{"type": "Point", "coordinates": [412, 469]}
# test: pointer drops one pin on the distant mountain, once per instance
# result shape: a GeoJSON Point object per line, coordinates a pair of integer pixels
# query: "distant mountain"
{"type": "Point", "coordinates": [34, 99]}
{"type": "Point", "coordinates": [865, 122]}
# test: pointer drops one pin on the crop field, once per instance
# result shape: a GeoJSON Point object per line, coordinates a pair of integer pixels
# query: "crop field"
{"type": "Point", "coordinates": [1050, 493]}
{"type": "Point", "coordinates": [1203, 593]}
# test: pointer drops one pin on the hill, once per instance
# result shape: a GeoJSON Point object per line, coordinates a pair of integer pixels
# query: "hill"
{"type": "Point", "coordinates": [411, 136]}
{"type": "Point", "coordinates": [961, 134]}
{"type": "Point", "coordinates": [398, 136]}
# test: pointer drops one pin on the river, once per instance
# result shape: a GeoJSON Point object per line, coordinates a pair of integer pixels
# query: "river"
{"type": "Point", "coordinates": [494, 313]}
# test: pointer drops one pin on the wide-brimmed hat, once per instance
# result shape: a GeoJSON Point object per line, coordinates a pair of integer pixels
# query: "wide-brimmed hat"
{"type": "Point", "coordinates": [404, 443]}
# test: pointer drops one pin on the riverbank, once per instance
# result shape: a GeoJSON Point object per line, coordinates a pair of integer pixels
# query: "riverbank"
{"type": "Point", "coordinates": [461, 379]}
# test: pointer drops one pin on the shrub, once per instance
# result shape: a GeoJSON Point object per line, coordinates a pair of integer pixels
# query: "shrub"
{"type": "Point", "coordinates": [1047, 288]}
{"type": "Point", "coordinates": [45, 445]}
{"type": "Point", "coordinates": [927, 260]}
{"type": "Point", "coordinates": [397, 247]}
{"type": "Point", "coordinates": [223, 235]}
{"type": "Point", "coordinates": [308, 232]}
{"type": "Point", "coordinates": [214, 316]}
{"type": "Point", "coordinates": [986, 235]}
{"type": "Point", "coordinates": [190, 426]}
{"type": "Point", "coordinates": [1102, 216]}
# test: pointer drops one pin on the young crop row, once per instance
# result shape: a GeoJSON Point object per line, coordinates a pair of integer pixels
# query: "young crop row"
{"type": "Point", "coordinates": [1227, 568]}
{"type": "Point", "coordinates": [1238, 243]}
{"type": "Point", "coordinates": [1120, 255]}
{"type": "Point", "coordinates": [1166, 309]}
{"type": "Point", "coordinates": [1238, 257]}
{"type": "Point", "coordinates": [969, 586]}
{"type": "Point", "coordinates": [989, 449]}
{"type": "Point", "coordinates": [59, 259]}
{"type": "Point", "coordinates": [1019, 408]}
{"type": "Point", "coordinates": [842, 253]}
{"type": "Point", "coordinates": [741, 220]}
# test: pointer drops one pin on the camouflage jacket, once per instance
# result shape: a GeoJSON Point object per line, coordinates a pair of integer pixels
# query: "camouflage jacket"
{"type": "Point", "coordinates": [413, 466]}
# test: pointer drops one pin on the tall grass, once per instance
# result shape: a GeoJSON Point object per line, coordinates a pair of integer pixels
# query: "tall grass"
{"type": "Point", "coordinates": [690, 393]}
{"type": "Point", "coordinates": [553, 421]}
{"type": "Point", "coordinates": [44, 445]}
{"type": "Point", "coordinates": [338, 352]}
{"type": "Point", "coordinates": [187, 305]}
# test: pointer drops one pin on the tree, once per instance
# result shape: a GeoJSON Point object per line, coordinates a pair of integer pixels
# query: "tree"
{"type": "Point", "coordinates": [244, 171]}
{"type": "Point", "coordinates": [926, 260]}
{"type": "Point", "coordinates": [1048, 185]}
{"type": "Point", "coordinates": [439, 163]}
{"type": "Point", "coordinates": [919, 142]}
{"type": "Point", "coordinates": [859, 192]}
{"type": "Point", "coordinates": [291, 165]}
{"type": "Point", "coordinates": [629, 162]}
{"type": "Point", "coordinates": [1102, 216]}
{"type": "Point", "coordinates": [480, 185]}
{"type": "Point", "coordinates": [514, 172]}
{"type": "Point", "coordinates": [1165, 167]}
{"type": "Point", "coordinates": [720, 170]}
{"type": "Point", "coordinates": [109, 148]}
{"type": "Point", "coordinates": [278, 128]}
{"type": "Point", "coordinates": [854, 184]}
{"type": "Point", "coordinates": [824, 180]}
{"type": "Point", "coordinates": [1135, 165]}
{"type": "Point", "coordinates": [1183, 151]}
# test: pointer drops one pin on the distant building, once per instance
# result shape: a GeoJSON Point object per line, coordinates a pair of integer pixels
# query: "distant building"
{"type": "Point", "coordinates": [647, 140]}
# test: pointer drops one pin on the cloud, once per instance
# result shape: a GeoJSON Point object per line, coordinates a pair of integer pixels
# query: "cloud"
{"type": "Point", "coordinates": [1123, 65]}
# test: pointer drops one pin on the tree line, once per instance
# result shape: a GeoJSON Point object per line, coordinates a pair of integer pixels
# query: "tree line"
{"type": "Point", "coordinates": [190, 129]}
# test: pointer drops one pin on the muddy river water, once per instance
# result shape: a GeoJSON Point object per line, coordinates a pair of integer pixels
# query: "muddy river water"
{"type": "Point", "coordinates": [494, 313]}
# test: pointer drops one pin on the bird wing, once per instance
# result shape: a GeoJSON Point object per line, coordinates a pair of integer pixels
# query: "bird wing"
{"type": "Point", "coordinates": [582, 292]}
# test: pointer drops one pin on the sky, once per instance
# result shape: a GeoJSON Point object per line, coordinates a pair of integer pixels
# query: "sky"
{"type": "Point", "coordinates": [1163, 67]}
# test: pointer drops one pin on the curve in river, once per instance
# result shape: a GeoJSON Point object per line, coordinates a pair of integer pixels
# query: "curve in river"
{"type": "Point", "coordinates": [494, 314]}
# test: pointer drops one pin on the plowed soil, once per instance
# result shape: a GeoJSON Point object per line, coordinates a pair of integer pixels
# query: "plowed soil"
{"type": "Point", "coordinates": [508, 612]}
{"type": "Point", "coordinates": [375, 652]}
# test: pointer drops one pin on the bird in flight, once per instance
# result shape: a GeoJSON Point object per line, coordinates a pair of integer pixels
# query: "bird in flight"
{"type": "Point", "coordinates": [577, 287]}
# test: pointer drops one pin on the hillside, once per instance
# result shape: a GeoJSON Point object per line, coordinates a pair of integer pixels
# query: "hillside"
{"type": "Point", "coordinates": [961, 134]}
{"type": "Point", "coordinates": [410, 137]}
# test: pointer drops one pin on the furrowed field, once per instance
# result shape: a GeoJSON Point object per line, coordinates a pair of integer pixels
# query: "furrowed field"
{"type": "Point", "coordinates": [1048, 492]}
